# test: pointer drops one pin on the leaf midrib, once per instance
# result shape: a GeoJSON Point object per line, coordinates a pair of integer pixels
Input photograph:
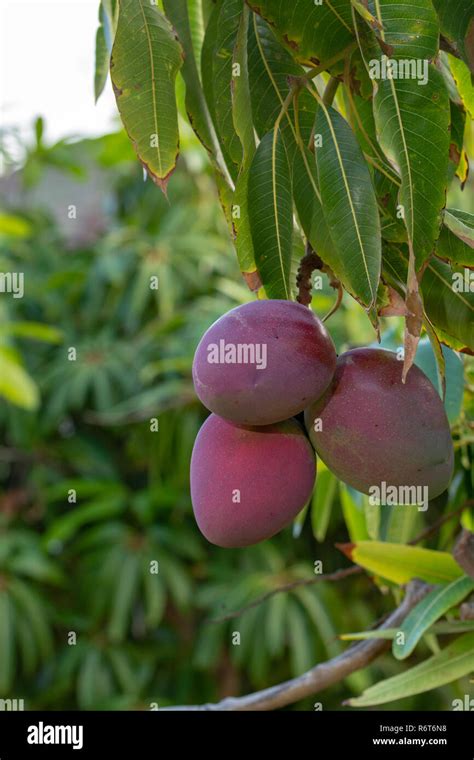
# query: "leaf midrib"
{"type": "Point", "coordinates": [153, 81]}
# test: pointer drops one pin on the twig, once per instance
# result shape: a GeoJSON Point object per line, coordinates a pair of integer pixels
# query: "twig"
{"type": "Point", "coordinates": [338, 575]}
{"type": "Point", "coordinates": [330, 91]}
{"type": "Point", "coordinates": [439, 523]}
{"type": "Point", "coordinates": [448, 47]}
{"type": "Point", "coordinates": [308, 264]}
{"type": "Point", "coordinates": [323, 675]}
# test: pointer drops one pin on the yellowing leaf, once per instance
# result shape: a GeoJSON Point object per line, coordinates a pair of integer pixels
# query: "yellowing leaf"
{"type": "Point", "coordinates": [400, 564]}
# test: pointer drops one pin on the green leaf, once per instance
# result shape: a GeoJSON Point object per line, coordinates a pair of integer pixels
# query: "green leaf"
{"type": "Point", "coordinates": [275, 624]}
{"type": "Point", "coordinates": [15, 383]}
{"type": "Point", "coordinates": [102, 58]}
{"type": "Point", "coordinates": [228, 25]}
{"type": "Point", "coordinates": [453, 662]}
{"type": "Point", "coordinates": [322, 502]}
{"type": "Point", "coordinates": [32, 330]}
{"type": "Point", "coordinates": [108, 17]}
{"type": "Point", "coordinates": [360, 115]}
{"type": "Point", "coordinates": [349, 205]}
{"type": "Point", "coordinates": [462, 78]}
{"type": "Point", "coordinates": [125, 591]}
{"type": "Point", "coordinates": [146, 58]}
{"type": "Point", "coordinates": [178, 13]}
{"type": "Point", "coordinates": [31, 607]}
{"type": "Point", "coordinates": [270, 66]}
{"type": "Point", "coordinates": [271, 215]}
{"type": "Point", "coordinates": [243, 124]}
{"type": "Point", "coordinates": [437, 603]}
{"type": "Point", "coordinates": [412, 123]}
{"type": "Point", "coordinates": [301, 649]}
{"type": "Point", "coordinates": [393, 228]}
{"type": "Point", "coordinates": [310, 212]}
{"type": "Point", "coordinates": [401, 523]}
{"type": "Point", "coordinates": [155, 597]}
{"type": "Point", "coordinates": [450, 309]}
{"type": "Point", "coordinates": [314, 33]}
{"type": "Point", "coordinates": [240, 89]}
{"type": "Point", "coordinates": [208, 54]}
{"type": "Point", "coordinates": [364, 12]}
{"type": "Point", "coordinates": [458, 160]}
{"type": "Point", "coordinates": [457, 24]}
{"type": "Point", "coordinates": [400, 564]}
{"type": "Point", "coordinates": [410, 28]}
{"type": "Point", "coordinates": [66, 526]}
{"type": "Point", "coordinates": [426, 361]}
{"type": "Point", "coordinates": [452, 249]}
{"type": "Point", "coordinates": [37, 567]}
{"type": "Point", "coordinates": [353, 508]}
{"type": "Point", "coordinates": [443, 628]}
{"type": "Point", "coordinates": [14, 226]}
{"type": "Point", "coordinates": [461, 224]}
{"type": "Point", "coordinates": [7, 644]}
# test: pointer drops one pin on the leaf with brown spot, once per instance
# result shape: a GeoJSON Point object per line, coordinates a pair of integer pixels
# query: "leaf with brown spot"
{"type": "Point", "coordinates": [146, 58]}
{"type": "Point", "coordinates": [312, 32]}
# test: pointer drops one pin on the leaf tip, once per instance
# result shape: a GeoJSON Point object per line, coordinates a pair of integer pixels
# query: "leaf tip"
{"type": "Point", "coordinates": [347, 549]}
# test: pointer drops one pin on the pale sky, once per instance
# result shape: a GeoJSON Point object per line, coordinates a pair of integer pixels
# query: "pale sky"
{"type": "Point", "coordinates": [47, 68]}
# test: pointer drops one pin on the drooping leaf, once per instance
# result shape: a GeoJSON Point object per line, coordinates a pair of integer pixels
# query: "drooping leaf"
{"type": "Point", "coordinates": [392, 225]}
{"type": "Point", "coordinates": [349, 204]}
{"type": "Point", "coordinates": [437, 603]}
{"type": "Point", "coordinates": [458, 159]}
{"type": "Point", "coordinates": [146, 58]}
{"type": "Point", "coordinates": [425, 360]}
{"type": "Point", "coordinates": [452, 249]}
{"type": "Point", "coordinates": [361, 117]}
{"type": "Point", "coordinates": [240, 88]}
{"type": "Point", "coordinates": [177, 12]}
{"type": "Point", "coordinates": [457, 24]}
{"type": "Point", "coordinates": [453, 662]}
{"type": "Point", "coordinates": [310, 212]}
{"type": "Point", "coordinates": [271, 215]}
{"type": "Point", "coordinates": [125, 590]}
{"type": "Point", "coordinates": [108, 16]}
{"type": "Point", "coordinates": [461, 224]}
{"type": "Point", "coordinates": [354, 510]}
{"type": "Point", "coordinates": [400, 563]}
{"type": "Point", "coordinates": [14, 226]}
{"type": "Point", "coordinates": [400, 524]}
{"type": "Point", "coordinates": [315, 33]}
{"type": "Point", "coordinates": [102, 57]}
{"type": "Point", "coordinates": [243, 124]}
{"type": "Point", "coordinates": [322, 502]}
{"type": "Point", "coordinates": [16, 385]}
{"type": "Point", "coordinates": [32, 330]}
{"type": "Point", "coordinates": [228, 24]}
{"type": "Point", "coordinates": [448, 304]}
{"type": "Point", "coordinates": [270, 68]}
{"type": "Point", "coordinates": [462, 78]}
{"type": "Point", "coordinates": [410, 28]}
{"type": "Point", "coordinates": [412, 123]}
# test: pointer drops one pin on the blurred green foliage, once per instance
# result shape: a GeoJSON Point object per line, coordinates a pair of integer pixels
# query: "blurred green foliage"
{"type": "Point", "coordinates": [98, 419]}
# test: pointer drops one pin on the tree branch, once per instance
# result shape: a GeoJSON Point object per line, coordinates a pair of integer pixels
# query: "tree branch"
{"type": "Point", "coordinates": [338, 575]}
{"type": "Point", "coordinates": [325, 674]}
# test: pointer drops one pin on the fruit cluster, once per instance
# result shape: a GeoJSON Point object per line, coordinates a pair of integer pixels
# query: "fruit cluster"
{"type": "Point", "coordinates": [253, 467]}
